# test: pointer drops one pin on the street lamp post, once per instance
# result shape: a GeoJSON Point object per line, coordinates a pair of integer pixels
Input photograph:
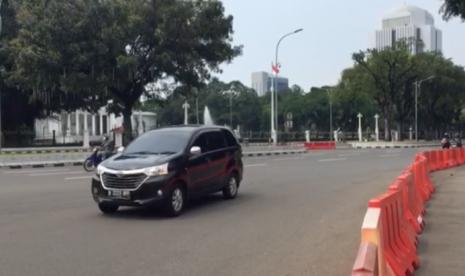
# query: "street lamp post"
{"type": "Point", "coordinates": [274, 92]}
{"type": "Point", "coordinates": [360, 116]}
{"type": "Point", "coordinates": [417, 92]}
{"type": "Point", "coordinates": [231, 92]}
{"type": "Point", "coordinates": [330, 115]}
{"type": "Point", "coordinates": [230, 110]}
{"type": "Point", "coordinates": [186, 107]}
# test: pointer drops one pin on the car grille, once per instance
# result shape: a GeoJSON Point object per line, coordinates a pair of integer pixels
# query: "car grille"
{"type": "Point", "coordinates": [129, 181]}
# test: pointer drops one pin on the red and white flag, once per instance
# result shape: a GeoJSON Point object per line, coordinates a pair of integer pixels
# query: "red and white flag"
{"type": "Point", "coordinates": [275, 68]}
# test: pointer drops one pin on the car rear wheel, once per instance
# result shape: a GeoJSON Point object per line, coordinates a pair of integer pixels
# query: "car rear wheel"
{"type": "Point", "coordinates": [108, 208]}
{"type": "Point", "coordinates": [175, 202]}
{"type": "Point", "coordinates": [231, 189]}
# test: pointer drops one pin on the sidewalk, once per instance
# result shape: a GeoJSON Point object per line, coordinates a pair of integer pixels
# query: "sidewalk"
{"type": "Point", "coordinates": [442, 244]}
{"type": "Point", "coordinates": [388, 145]}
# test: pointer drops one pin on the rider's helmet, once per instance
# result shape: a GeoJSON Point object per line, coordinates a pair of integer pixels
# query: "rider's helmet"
{"type": "Point", "coordinates": [446, 135]}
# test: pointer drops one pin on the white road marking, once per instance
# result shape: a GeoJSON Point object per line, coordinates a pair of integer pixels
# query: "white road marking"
{"type": "Point", "coordinates": [53, 173]}
{"type": "Point", "coordinates": [311, 155]}
{"type": "Point", "coordinates": [255, 165]}
{"type": "Point", "coordinates": [35, 171]}
{"type": "Point", "coordinates": [287, 159]}
{"type": "Point", "coordinates": [349, 154]}
{"type": "Point", "coordinates": [332, 159]}
{"type": "Point", "coordinates": [78, 177]}
{"type": "Point", "coordinates": [389, 155]}
{"type": "Point", "coordinates": [393, 151]}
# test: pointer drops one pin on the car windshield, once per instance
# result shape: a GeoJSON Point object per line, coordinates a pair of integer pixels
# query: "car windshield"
{"type": "Point", "coordinates": [159, 142]}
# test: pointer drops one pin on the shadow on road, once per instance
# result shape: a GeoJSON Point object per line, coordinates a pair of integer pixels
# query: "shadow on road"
{"type": "Point", "coordinates": [195, 207]}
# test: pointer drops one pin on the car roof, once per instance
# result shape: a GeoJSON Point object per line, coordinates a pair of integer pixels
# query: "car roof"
{"type": "Point", "coordinates": [192, 128]}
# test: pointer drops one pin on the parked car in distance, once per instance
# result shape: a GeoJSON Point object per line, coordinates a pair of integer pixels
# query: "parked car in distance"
{"type": "Point", "coordinates": [168, 166]}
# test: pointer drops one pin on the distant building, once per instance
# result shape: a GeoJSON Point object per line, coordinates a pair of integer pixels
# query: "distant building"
{"type": "Point", "coordinates": [262, 83]}
{"type": "Point", "coordinates": [410, 23]}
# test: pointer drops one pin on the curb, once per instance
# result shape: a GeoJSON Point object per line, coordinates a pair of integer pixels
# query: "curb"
{"type": "Point", "coordinates": [47, 164]}
{"type": "Point", "coordinates": [7, 151]}
{"type": "Point", "coordinates": [396, 146]}
{"type": "Point", "coordinates": [271, 153]}
{"type": "Point", "coordinates": [11, 152]}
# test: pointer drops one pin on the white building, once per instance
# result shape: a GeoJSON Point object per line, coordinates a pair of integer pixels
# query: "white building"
{"type": "Point", "coordinates": [413, 24]}
{"type": "Point", "coordinates": [262, 81]}
{"type": "Point", "coordinates": [71, 127]}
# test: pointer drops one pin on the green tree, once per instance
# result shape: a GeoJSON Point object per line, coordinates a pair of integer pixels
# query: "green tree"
{"type": "Point", "coordinates": [216, 96]}
{"type": "Point", "coordinates": [79, 53]}
{"type": "Point", "coordinates": [292, 101]}
{"type": "Point", "coordinates": [453, 8]}
{"type": "Point", "coordinates": [441, 100]}
{"type": "Point", "coordinates": [153, 39]}
{"type": "Point", "coordinates": [354, 94]}
{"type": "Point", "coordinates": [55, 54]}
{"type": "Point", "coordinates": [15, 100]}
{"type": "Point", "coordinates": [392, 71]}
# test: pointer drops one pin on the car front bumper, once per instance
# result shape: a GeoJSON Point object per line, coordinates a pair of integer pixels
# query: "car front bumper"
{"type": "Point", "coordinates": [153, 191]}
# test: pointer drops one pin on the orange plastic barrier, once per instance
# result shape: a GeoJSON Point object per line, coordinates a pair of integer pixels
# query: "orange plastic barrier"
{"type": "Point", "coordinates": [399, 250]}
{"type": "Point", "coordinates": [440, 155]}
{"type": "Point", "coordinates": [460, 158]}
{"type": "Point", "coordinates": [412, 204]}
{"type": "Point", "coordinates": [366, 263]}
{"type": "Point", "coordinates": [395, 219]}
{"type": "Point", "coordinates": [424, 185]}
{"type": "Point", "coordinates": [320, 145]}
{"type": "Point", "coordinates": [452, 158]}
{"type": "Point", "coordinates": [432, 158]}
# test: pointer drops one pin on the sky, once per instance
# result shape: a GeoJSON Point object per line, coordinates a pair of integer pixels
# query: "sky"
{"type": "Point", "coordinates": [333, 30]}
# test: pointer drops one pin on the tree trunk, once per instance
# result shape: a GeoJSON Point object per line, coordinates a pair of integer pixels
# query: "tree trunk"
{"type": "Point", "coordinates": [400, 126]}
{"type": "Point", "coordinates": [387, 123]}
{"type": "Point", "coordinates": [127, 125]}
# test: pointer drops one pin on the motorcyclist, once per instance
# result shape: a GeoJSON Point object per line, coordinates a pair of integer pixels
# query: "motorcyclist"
{"type": "Point", "coordinates": [445, 143]}
{"type": "Point", "coordinates": [107, 147]}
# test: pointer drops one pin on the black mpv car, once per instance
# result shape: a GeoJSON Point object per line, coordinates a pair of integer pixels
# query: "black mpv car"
{"type": "Point", "coordinates": [168, 166]}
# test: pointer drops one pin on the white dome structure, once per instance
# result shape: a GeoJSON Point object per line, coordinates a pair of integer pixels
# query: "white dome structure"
{"type": "Point", "coordinates": [408, 15]}
{"type": "Point", "coordinates": [409, 23]}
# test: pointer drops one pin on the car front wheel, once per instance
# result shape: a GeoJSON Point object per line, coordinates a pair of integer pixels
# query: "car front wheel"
{"type": "Point", "coordinates": [232, 187]}
{"type": "Point", "coordinates": [175, 202]}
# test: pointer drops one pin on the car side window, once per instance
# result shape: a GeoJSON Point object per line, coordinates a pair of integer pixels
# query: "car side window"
{"type": "Point", "coordinates": [215, 141]}
{"type": "Point", "coordinates": [230, 140]}
{"type": "Point", "coordinates": [201, 142]}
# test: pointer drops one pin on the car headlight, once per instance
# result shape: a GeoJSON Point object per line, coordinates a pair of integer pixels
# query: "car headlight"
{"type": "Point", "coordinates": [100, 169]}
{"type": "Point", "coordinates": [157, 170]}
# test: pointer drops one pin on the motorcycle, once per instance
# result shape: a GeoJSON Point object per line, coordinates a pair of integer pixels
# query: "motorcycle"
{"type": "Point", "coordinates": [93, 160]}
{"type": "Point", "coordinates": [445, 143]}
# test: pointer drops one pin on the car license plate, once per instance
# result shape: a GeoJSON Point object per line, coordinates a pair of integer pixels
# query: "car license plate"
{"type": "Point", "coordinates": [119, 194]}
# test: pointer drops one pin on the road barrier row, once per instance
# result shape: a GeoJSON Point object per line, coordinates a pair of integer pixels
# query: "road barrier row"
{"type": "Point", "coordinates": [320, 145]}
{"type": "Point", "coordinates": [395, 219]}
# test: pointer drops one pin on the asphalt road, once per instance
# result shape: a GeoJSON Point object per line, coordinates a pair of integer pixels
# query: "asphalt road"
{"type": "Point", "coordinates": [295, 215]}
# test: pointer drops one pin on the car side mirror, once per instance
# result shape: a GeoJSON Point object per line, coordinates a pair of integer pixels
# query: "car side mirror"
{"type": "Point", "coordinates": [120, 149]}
{"type": "Point", "coordinates": [195, 151]}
